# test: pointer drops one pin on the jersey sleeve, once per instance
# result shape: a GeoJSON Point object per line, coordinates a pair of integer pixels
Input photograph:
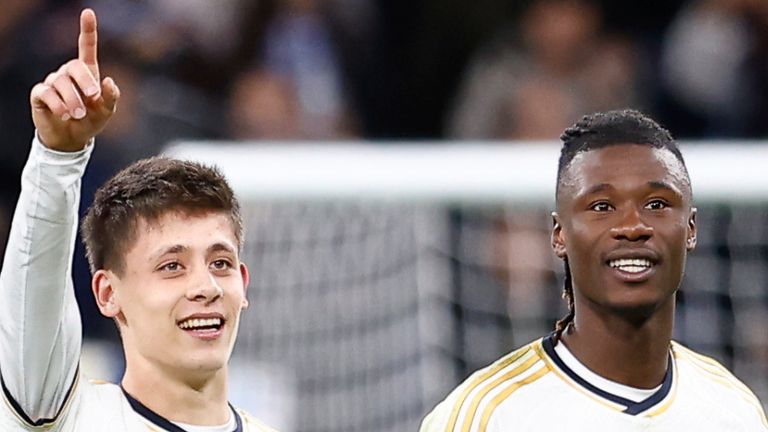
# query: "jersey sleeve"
{"type": "Point", "coordinates": [40, 328]}
{"type": "Point", "coordinates": [437, 420]}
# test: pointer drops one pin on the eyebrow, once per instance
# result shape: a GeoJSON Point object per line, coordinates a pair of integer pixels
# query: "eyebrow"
{"type": "Point", "coordinates": [168, 250]}
{"type": "Point", "coordinates": [662, 185]}
{"type": "Point", "coordinates": [654, 184]}
{"type": "Point", "coordinates": [178, 248]}
{"type": "Point", "coordinates": [598, 188]}
{"type": "Point", "coordinates": [221, 247]}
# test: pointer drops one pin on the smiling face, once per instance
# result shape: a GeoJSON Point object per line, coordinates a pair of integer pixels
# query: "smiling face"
{"type": "Point", "coordinates": [179, 298]}
{"type": "Point", "coordinates": [625, 224]}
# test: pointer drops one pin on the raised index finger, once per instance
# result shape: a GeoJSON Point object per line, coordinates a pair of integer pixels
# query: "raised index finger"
{"type": "Point", "coordinates": [87, 41]}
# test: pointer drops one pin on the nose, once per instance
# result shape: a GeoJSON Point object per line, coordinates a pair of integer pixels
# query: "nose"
{"type": "Point", "coordinates": [632, 227]}
{"type": "Point", "coordinates": [204, 288]}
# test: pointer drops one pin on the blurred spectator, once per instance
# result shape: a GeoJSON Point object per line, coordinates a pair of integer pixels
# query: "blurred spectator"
{"type": "Point", "coordinates": [563, 67]}
{"type": "Point", "coordinates": [299, 47]}
{"type": "Point", "coordinates": [713, 67]}
{"type": "Point", "coordinates": [160, 30]}
{"type": "Point", "coordinates": [264, 105]}
{"type": "Point", "coordinates": [210, 27]}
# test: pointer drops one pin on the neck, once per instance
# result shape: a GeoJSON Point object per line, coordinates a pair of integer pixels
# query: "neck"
{"type": "Point", "coordinates": [632, 352]}
{"type": "Point", "coordinates": [198, 399]}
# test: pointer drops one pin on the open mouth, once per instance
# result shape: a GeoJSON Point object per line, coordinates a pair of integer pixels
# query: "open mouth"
{"type": "Point", "coordinates": [201, 324]}
{"type": "Point", "coordinates": [631, 265]}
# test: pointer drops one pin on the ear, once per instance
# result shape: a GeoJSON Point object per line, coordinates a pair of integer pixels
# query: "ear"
{"type": "Point", "coordinates": [102, 285]}
{"type": "Point", "coordinates": [558, 240]}
{"type": "Point", "coordinates": [246, 278]}
{"type": "Point", "coordinates": [690, 242]}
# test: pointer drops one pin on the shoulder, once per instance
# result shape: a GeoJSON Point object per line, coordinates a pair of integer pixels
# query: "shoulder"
{"type": "Point", "coordinates": [476, 398]}
{"type": "Point", "coordinates": [89, 405]}
{"type": "Point", "coordinates": [252, 424]}
{"type": "Point", "coordinates": [706, 373]}
{"type": "Point", "coordinates": [708, 370]}
{"type": "Point", "coordinates": [101, 392]}
{"type": "Point", "coordinates": [100, 400]}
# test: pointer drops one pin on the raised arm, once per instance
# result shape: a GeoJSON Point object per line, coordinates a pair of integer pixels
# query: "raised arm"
{"type": "Point", "coordinates": [40, 329]}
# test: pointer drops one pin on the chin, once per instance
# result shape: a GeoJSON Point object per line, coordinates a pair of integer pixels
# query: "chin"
{"type": "Point", "coordinates": [634, 298]}
{"type": "Point", "coordinates": [638, 310]}
{"type": "Point", "coordinates": [205, 362]}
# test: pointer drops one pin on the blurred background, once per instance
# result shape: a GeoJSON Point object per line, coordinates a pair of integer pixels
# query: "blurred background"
{"type": "Point", "coordinates": [364, 315]}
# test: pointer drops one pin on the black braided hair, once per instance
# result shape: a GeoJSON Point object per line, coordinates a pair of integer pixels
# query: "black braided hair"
{"type": "Point", "coordinates": [564, 322]}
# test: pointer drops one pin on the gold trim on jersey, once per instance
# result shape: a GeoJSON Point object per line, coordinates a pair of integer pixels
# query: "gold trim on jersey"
{"type": "Point", "coordinates": [662, 406]}
{"type": "Point", "coordinates": [712, 366]}
{"type": "Point", "coordinates": [504, 394]}
{"type": "Point", "coordinates": [719, 374]}
{"type": "Point", "coordinates": [484, 376]}
{"type": "Point", "coordinates": [471, 412]}
{"type": "Point", "coordinates": [151, 427]}
{"type": "Point", "coordinates": [61, 413]}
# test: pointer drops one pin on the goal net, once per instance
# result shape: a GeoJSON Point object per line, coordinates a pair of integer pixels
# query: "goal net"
{"type": "Point", "coordinates": [382, 274]}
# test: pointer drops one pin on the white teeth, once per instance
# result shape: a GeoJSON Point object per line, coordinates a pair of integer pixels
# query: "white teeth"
{"type": "Point", "coordinates": [197, 323]}
{"type": "Point", "coordinates": [630, 265]}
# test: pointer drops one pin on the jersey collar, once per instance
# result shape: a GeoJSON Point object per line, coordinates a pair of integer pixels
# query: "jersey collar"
{"type": "Point", "coordinates": [163, 422]}
{"type": "Point", "coordinates": [629, 407]}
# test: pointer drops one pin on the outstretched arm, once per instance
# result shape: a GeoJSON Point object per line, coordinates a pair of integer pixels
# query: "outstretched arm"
{"type": "Point", "coordinates": [40, 329]}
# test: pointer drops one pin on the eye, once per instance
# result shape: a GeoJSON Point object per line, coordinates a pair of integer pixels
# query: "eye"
{"type": "Point", "coordinates": [601, 206]}
{"type": "Point", "coordinates": [221, 264]}
{"type": "Point", "coordinates": [172, 266]}
{"type": "Point", "coordinates": [656, 205]}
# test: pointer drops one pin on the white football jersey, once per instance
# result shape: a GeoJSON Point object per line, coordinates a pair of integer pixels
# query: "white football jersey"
{"type": "Point", "coordinates": [533, 389]}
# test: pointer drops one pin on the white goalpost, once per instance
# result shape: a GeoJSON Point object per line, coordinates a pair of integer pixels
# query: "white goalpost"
{"type": "Point", "coordinates": [449, 171]}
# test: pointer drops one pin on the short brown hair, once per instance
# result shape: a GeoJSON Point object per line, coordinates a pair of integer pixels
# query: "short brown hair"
{"type": "Point", "coordinates": [149, 189]}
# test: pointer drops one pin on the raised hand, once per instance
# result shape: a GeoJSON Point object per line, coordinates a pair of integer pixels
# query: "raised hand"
{"type": "Point", "coordinates": [73, 105]}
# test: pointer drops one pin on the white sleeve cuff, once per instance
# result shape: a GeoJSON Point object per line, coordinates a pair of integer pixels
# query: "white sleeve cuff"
{"type": "Point", "coordinates": [44, 154]}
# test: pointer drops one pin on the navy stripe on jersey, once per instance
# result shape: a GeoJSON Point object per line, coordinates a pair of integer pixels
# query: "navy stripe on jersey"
{"type": "Point", "coordinates": [20, 412]}
{"type": "Point", "coordinates": [632, 407]}
{"type": "Point", "coordinates": [163, 422]}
